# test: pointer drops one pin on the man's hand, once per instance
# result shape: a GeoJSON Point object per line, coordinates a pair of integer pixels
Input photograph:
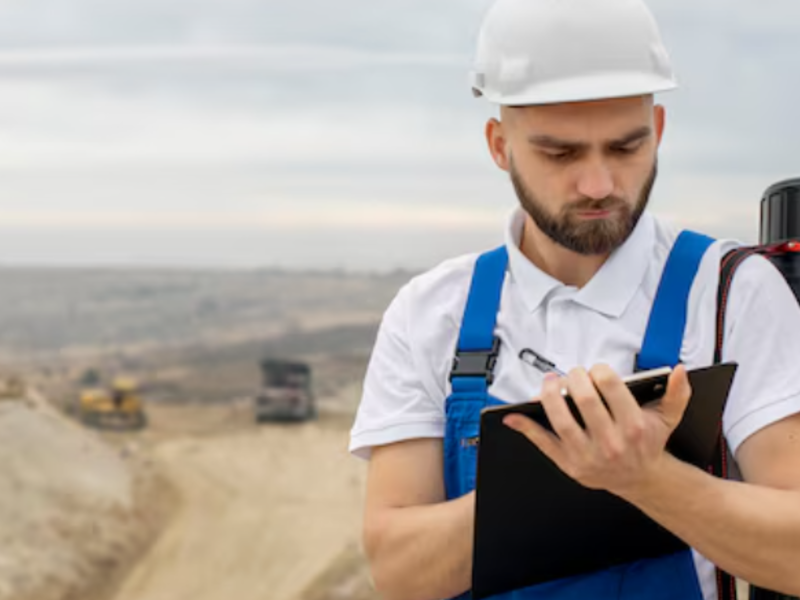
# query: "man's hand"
{"type": "Point", "coordinates": [623, 445]}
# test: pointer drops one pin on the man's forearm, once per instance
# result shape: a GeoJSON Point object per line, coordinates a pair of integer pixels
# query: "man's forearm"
{"type": "Point", "coordinates": [422, 552]}
{"type": "Point", "coordinates": [749, 531]}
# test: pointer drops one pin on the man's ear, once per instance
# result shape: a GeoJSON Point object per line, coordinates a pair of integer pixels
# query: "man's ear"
{"type": "Point", "coordinates": [659, 119]}
{"type": "Point", "coordinates": [498, 144]}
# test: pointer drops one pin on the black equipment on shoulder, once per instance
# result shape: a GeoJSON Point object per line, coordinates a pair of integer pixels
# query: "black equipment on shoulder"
{"type": "Point", "coordinates": [780, 229]}
{"type": "Point", "coordinates": [779, 242]}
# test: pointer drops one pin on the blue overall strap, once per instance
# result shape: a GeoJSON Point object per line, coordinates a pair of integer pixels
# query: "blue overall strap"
{"type": "Point", "coordinates": [477, 346]}
{"type": "Point", "coordinates": [664, 336]}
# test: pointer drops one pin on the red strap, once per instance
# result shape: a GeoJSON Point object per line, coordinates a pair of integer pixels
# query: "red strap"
{"type": "Point", "coordinates": [726, 584]}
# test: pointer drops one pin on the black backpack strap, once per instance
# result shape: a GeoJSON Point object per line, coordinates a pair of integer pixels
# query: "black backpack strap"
{"type": "Point", "coordinates": [727, 269]}
{"type": "Point", "coordinates": [726, 584]}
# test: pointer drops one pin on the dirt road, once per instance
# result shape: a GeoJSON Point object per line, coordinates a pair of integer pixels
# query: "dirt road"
{"type": "Point", "coordinates": [264, 510]}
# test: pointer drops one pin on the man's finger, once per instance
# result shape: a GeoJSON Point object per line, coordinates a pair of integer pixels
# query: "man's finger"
{"type": "Point", "coordinates": [621, 403]}
{"type": "Point", "coordinates": [594, 413]}
{"type": "Point", "coordinates": [561, 420]}
{"type": "Point", "coordinates": [676, 398]}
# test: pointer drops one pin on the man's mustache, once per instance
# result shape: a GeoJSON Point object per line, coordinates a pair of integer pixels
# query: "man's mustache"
{"type": "Point", "coordinates": [589, 204]}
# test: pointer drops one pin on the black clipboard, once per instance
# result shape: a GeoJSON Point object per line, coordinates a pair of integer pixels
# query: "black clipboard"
{"type": "Point", "coordinates": [533, 524]}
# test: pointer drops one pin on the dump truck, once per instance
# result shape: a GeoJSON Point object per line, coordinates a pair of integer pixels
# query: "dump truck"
{"type": "Point", "coordinates": [119, 406]}
{"type": "Point", "coordinates": [286, 393]}
{"type": "Point", "coordinates": [13, 387]}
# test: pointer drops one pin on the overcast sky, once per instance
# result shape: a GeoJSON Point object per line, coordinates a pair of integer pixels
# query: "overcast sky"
{"type": "Point", "coordinates": [325, 134]}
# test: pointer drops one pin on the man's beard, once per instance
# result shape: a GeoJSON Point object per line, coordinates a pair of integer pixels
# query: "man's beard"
{"type": "Point", "coordinates": [586, 236]}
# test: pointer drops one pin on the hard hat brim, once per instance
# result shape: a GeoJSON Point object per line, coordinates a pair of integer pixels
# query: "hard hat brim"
{"type": "Point", "coordinates": [583, 89]}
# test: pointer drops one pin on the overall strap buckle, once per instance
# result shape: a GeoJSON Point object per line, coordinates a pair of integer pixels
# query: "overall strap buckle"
{"type": "Point", "coordinates": [476, 363]}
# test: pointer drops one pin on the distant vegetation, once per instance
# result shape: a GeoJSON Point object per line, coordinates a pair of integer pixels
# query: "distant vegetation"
{"type": "Point", "coordinates": [188, 335]}
{"type": "Point", "coordinates": [45, 310]}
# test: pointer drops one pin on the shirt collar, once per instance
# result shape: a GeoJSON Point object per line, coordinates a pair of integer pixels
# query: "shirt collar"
{"type": "Point", "coordinates": [612, 288]}
{"type": "Point", "coordinates": [534, 283]}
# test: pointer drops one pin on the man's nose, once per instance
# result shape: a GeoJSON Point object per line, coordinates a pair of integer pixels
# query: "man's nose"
{"type": "Point", "coordinates": [595, 180]}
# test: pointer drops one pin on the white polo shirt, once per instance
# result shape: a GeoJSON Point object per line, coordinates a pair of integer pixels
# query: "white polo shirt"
{"type": "Point", "coordinates": [407, 382]}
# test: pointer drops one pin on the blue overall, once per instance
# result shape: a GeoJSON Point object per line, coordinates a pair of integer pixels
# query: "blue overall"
{"type": "Point", "coordinates": [668, 578]}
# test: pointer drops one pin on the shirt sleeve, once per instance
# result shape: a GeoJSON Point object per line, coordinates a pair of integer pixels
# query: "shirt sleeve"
{"type": "Point", "coordinates": [763, 337]}
{"type": "Point", "coordinates": [395, 405]}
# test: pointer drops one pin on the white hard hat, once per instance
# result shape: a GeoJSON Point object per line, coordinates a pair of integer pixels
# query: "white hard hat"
{"type": "Point", "coordinates": [551, 51]}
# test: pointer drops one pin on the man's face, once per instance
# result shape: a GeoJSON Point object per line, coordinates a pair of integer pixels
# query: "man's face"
{"type": "Point", "coordinates": [586, 226]}
{"type": "Point", "coordinates": [584, 171]}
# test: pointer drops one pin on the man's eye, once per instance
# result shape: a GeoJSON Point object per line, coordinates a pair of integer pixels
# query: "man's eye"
{"type": "Point", "coordinates": [627, 149]}
{"type": "Point", "coordinates": [559, 156]}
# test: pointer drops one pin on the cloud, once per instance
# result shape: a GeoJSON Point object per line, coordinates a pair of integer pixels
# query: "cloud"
{"type": "Point", "coordinates": [336, 216]}
{"type": "Point", "coordinates": [252, 57]}
{"type": "Point", "coordinates": [411, 25]}
{"type": "Point", "coordinates": [58, 125]}
{"type": "Point", "coordinates": [183, 114]}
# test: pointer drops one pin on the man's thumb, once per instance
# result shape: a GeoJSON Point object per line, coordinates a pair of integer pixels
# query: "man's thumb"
{"type": "Point", "coordinates": [677, 396]}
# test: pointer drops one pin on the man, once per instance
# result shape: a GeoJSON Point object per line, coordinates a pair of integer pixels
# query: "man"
{"type": "Point", "coordinates": [578, 133]}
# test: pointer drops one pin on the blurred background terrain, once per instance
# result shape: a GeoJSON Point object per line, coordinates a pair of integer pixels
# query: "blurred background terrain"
{"type": "Point", "coordinates": [202, 500]}
{"type": "Point", "coordinates": [189, 335]}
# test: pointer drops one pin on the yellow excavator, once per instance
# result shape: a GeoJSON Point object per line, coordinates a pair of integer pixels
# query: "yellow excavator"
{"type": "Point", "coordinates": [12, 387]}
{"type": "Point", "coordinates": [119, 407]}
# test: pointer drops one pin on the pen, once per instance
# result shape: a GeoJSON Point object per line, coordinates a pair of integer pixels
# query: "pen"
{"type": "Point", "coordinates": [539, 362]}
